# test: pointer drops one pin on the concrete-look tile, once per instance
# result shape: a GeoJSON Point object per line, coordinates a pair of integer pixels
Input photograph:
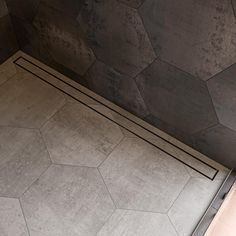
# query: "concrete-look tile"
{"type": "Point", "coordinates": [222, 88]}
{"type": "Point", "coordinates": [192, 203]}
{"type": "Point", "coordinates": [176, 97]}
{"type": "Point", "coordinates": [141, 177]}
{"type": "Point", "coordinates": [12, 221]}
{"type": "Point", "coordinates": [132, 3]}
{"type": "Point", "coordinates": [23, 157]}
{"type": "Point", "coordinates": [25, 101]}
{"type": "Point", "coordinates": [197, 36]}
{"type": "Point", "coordinates": [116, 87]}
{"type": "Point", "coordinates": [77, 135]}
{"type": "Point", "coordinates": [133, 223]}
{"type": "Point", "coordinates": [117, 35]}
{"type": "Point", "coordinates": [7, 70]}
{"type": "Point", "coordinates": [67, 200]}
{"type": "Point", "coordinates": [64, 39]}
{"type": "Point", "coordinates": [3, 8]}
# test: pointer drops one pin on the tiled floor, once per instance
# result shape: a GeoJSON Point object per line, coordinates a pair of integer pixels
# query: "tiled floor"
{"type": "Point", "coordinates": [65, 170]}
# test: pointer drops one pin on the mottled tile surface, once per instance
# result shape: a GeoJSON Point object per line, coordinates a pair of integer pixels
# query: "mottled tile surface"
{"type": "Point", "coordinates": [134, 223]}
{"type": "Point", "coordinates": [64, 39]}
{"type": "Point", "coordinates": [196, 36]}
{"type": "Point", "coordinates": [12, 221]}
{"type": "Point", "coordinates": [137, 175]}
{"type": "Point", "coordinates": [67, 201]}
{"type": "Point", "coordinates": [7, 70]}
{"type": "Point", "coordinates": [222, 88]}
{"type": "Point", "coordinates": [23, 157]}
{"type": "Point", "coordinates": [217, 142]}
{"type": "Point", "coordinates": [117, 35]}
{"type": "Point", "coordinates": [132, 3]}
{"type": "Point", "coordinates": [77, 135]}
{"type": "Point", "coordinates": [3, 8]}
{"type": "Point", "coordinates": [191, 204]}
{"type": "Point", "coordinates": [116, 87]}
{"type": "Point", "coordinates": [176, 97]}
{"type": "Point", "coordinates": [26, 101]}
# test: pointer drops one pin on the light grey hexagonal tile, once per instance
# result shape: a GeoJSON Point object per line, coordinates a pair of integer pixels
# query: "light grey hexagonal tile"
{"type": "Point", "coordinates": [12, 221]}
{"type": "Point", "coordinates": [117, 35]}
{"type": "Point", "coordinates": [23, 158]}
{"type": "Point", "coordinates": [25, 101]}
{"type": "Point", "coordinates": [177, 98]}
{"type": "Point", "coordinates": [134, 223]}
{"type": "Point", "coordinates": [64, 39]}
{"type": "Point", "coordinates": [222, 88]}
{"type": "Point", "coordinates": [192, 203]}
{"type": "Point", "coordinates": [141, 177]}
{"type": "Point", "coordinates": [68, 201]}
{"type": "Point", "coordinates": [197, 36]}
{"type": "Point", "coordinates": [77, 135]}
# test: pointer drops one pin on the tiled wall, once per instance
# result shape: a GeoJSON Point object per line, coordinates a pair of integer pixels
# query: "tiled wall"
{"type": "Point", "coordinates": [8, 43]}
{"type": "Point", "coordinates": [170, 62]}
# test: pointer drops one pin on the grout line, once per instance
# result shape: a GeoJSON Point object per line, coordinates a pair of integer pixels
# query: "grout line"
{"type": "Point", "coordinates": [24, 216]}
{"type": "Point", "coordinates": [144, 211]}
{"type": "Point", "coordinates": [172, 225]}
{"type": "Point", "coordinates": [232, 5]}
{"type": "Point", "coordinates": [115, 121]}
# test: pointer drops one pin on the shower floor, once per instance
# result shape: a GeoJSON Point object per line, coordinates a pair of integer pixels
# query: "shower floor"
{"type": "Point", "coordinates": [70, 165]}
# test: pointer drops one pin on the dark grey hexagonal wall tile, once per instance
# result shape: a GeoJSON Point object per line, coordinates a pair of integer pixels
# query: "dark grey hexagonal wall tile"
{"type": "Point", "coordinates": [117, 35]}
{"type": "Point", "coordinates": [116, 87]}
{"type": "Point", "coordinates": [222, 88]}
{"type": "Point", "coordinates": [176, 97]}
{"type": "Point", "coordinates": [132, 3]}
{"type": "Point", "coordinates": [196, 36]}
{"type": "Point", "coordinates": [218, 143]}
{"type": "Point", "coordinates": [64, 39]}
{"type": "Point", "coordinates": [3, 8]}
{"type": "Point", "coordinates": [234, 7]}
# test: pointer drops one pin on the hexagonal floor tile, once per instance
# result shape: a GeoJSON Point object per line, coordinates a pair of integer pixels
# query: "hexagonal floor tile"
{"type": "Point", "coordinates": [197, 36]}
{"type": "Point", "coordinates": [141, 177]}
{"type": "Point", "coordinates": [222, 88]}
{"type": "Point", "coordinates": [25, 101]}
{"type": "Point", "coordinates": [177, 98]}
{"type": "Point", "coordinates": [67, 200]}
{"type": "Point", "coordinates": [77, 135]}
{"type": "Point", "coordinates": [23, 158]}
{"type": "Point", "coordinates": [7, 70]}
{"type": "Point", "coordinates": [134, 223]}
{"type": "Point", "coordinates": [117, 35]}
{"type": "Point", "coordinates": [12, 221]}
{"type": "Point", "coordinates": [192, 203]}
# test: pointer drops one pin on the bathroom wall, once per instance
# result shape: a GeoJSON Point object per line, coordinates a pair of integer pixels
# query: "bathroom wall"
{"type": "Point", "coordinates": [8, 43]}
{"type": "Point", "coordinates": [169, 62]}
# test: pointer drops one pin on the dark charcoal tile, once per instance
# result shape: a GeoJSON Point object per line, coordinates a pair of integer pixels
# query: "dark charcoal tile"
{"type": "Point", "coordinates": [222, 88]}
{"type": "Point", "coordinates": [3, 8]}
{"type": "Point", "coordinates": [132, 3]}
{"type": "Point", "coordinates": [177, 98]}
{"type": "Point", "coordinates": [68, 7]}
{"type": "Point", "coordinates": [116, 87]}
{"type": "Point", "coordinates": [196, 36]}
{"type": "Point", "coordinates": [234, 7]}
{"type": "Point", "coordinates": [218, 143]}
{"type": "Point", "coordinates": [117, 35]}
{"type": "Point", "coordinates": [8, 43]}
{"type": "Point", "coordinates": [25, 9]}
{"type": "Point", "coordinates": [64, 40]}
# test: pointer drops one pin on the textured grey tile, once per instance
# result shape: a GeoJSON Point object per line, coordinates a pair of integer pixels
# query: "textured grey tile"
{"type": "Point", "coordinates": [67, 201]}
{"type": "Point", "coordinates": [141, 177]}
{"type": "Point", "coordinates": [234, 7]}
{"type": "Point", "coordinates": [132, 3]}
{"type": "Point", "coordinates": [3, 8]}
{"type": "Point", "coordinates": [8, 43]}
{"type": "Point", "coordinates": [12, 221]}
{"type": "Point", "coordinates": [25, 101]}
{"type": "Point", "coordinates": [218, 143]}
{"type": "Point", "coordinates": [192, 203]}
{"type": "Point", "coordinates": [7, 70]}
{"type": "Point", "coordinates": [23, 9]}
{"type": "Point", "coordinates": [177, 98]}
{"type": "Point", "coordinates": [77, 135]}
{"type": "Point", "coordinates": [64, 39]}
{"type": "Point", "coordinates": [116, 87]}
{"type": "Point", "coordinates": [23, 157]}
{"type": "Point", "coordinates": [196, 36]}
{"type": "Point", "coordinates": [133, 223]}
{"type": "Point", "coordinates": [117, 35]}
{"type": "Point", "coordinates": [222, 88]}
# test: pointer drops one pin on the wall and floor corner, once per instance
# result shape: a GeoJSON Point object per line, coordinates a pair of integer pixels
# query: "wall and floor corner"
{"type": "Point", "coordinates": [169, 62]}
